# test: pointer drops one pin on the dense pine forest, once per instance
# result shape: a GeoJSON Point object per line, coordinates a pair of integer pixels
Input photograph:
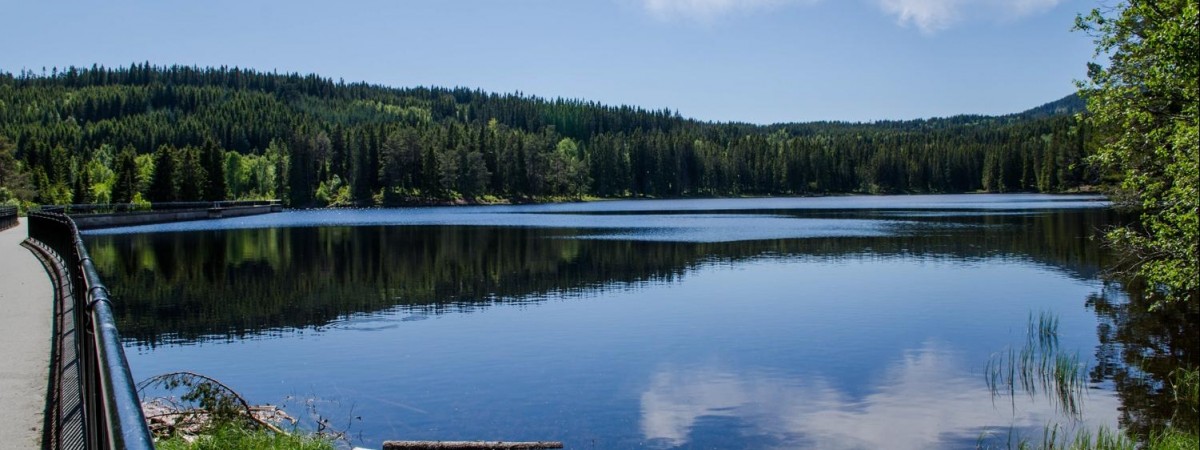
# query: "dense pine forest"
{"type": "Point", "coordinates": [156, 134]}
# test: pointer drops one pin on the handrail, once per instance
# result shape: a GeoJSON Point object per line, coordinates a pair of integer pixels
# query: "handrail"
{"type": "Point", "coordinates": [112, 412]}
{"type": "Point", "coordinates": [8, 217]}
{"type": "Point", "coordinates": [103, 208]}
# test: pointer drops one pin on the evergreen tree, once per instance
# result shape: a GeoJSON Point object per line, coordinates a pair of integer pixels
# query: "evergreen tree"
{"type": "Point", "coordinates": [163, 187]}
{"type": "Point", "coordinates": [213, 161]}
{"type": "Point", "coordinates": [83, 187]}
{"type": "Point", "coordinates": [301, 173]}
{"type": "Point", "coordinates": [192, 176]}
{"type": "Point", "coordinates": [277, 153]}
{"type": "Point", "coordinates": [431, 142]}
{"type": "Point", "coordinates": [126, 183]}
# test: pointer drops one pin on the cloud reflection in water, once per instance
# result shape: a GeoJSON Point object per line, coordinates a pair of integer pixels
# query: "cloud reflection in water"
{"type": "Point", "coordinates": [926, 399]}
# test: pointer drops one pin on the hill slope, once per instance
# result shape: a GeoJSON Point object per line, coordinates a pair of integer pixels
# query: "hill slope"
{"type": "Point", "coordinates": [187, 133]}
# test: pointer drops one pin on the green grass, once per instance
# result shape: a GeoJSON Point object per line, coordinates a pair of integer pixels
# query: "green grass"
{"type": "Point", "coordinates": [231, 436]}
{"type": "Point", "coordinates": [1174, 439]}
{"type": "Point", "coordinates": [1055, 438]}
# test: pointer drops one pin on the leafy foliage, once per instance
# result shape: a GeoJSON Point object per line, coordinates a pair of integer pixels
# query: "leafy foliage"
{"type": "Point", "coordinates": [16, 188]}
{"type": "Point", "coordinates": [202, 395]}
{"type": "Point", "coordinates": [1145, 105]}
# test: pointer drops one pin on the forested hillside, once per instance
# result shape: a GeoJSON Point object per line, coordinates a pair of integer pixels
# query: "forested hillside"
{"type": "Point", "coordinates": [146, 133]}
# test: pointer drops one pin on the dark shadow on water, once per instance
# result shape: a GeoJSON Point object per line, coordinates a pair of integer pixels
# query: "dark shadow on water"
{"type": "Point", "coordinates": [1141, 351]}
{"type": "Point", "coordinates": [184, 287]}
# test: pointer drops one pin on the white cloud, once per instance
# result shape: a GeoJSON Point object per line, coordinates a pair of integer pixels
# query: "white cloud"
{"type": "Point", "coordinates": [708, 10]}
{"type": "Point", "coordinates": [927, 15]}
{"type": "Point", "coordinates": [931, 16]}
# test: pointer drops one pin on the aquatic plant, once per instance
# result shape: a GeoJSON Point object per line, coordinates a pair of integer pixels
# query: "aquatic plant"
{"type": "Point", "coordinates": [1039, 366]}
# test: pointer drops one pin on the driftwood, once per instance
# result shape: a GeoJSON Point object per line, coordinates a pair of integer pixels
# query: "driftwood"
{"type": "Point", "coordinates": [166, 416]}
{"type": "Point", "coordinates": [469, 445]}
{"type": "Point", "coordinates": [215, 401]}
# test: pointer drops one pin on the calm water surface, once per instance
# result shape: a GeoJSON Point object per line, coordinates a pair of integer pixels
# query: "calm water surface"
{"type": "Point", "coordinates": [841, 322]}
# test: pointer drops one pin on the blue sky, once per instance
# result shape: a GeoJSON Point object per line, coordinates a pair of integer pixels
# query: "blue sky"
{"type": "Point", "coordinates": [760, 61]}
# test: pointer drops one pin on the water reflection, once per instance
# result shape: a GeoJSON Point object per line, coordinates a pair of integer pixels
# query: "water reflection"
{"type": "Point", "coordinates": [651, 213]}
{"type": "Point", "coordinates": [727, 324]}
{"type": "Point", "coordinates": [929, 398]}
{"type": "Point", "coordinates": [184, 287]}
{"type": "Point", "coordinates": [1140, 350]}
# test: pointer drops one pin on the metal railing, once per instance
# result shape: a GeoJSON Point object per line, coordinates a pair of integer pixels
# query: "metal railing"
{"type": "Point", "coordinates": [106, 208]}
{"type": "Point", "coordinates": [112, 412]}
{"type": "Point", "coordinates": [8, 217]}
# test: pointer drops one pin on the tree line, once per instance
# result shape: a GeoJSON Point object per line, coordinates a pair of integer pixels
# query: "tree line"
{"type": "Point", "coordinates": [179, 133]}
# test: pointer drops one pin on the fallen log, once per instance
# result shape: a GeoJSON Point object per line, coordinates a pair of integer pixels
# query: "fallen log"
{"type": "Point", "coordinates": [469, 445]}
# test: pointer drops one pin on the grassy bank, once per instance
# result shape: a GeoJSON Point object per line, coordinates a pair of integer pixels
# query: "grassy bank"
{"type": "Point", "coordinates": [1105, 439]}
{"type": "Point", "coordinates": [235, 435]}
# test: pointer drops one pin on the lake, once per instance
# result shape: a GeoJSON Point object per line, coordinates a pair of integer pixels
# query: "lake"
{"type": "Point", "coordinates": [832, 322]}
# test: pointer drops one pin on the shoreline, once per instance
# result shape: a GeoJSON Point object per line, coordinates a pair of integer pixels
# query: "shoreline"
{"type": "Point", "coordinates": [1092, 190]}
{"type": "Point", "coordinates": [494, 201]}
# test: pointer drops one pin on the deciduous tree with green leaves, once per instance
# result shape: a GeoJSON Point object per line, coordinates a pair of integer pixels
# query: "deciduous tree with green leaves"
{"type": "Point", "coordinates": [1144, 102]}
{"type": "Point", "coordinates": [16, 187]}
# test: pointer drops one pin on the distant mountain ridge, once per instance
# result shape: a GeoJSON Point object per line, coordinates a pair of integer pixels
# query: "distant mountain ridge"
{"type": "Point", "coordinates": [1071, 104]}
